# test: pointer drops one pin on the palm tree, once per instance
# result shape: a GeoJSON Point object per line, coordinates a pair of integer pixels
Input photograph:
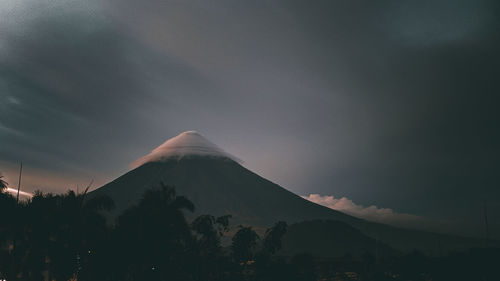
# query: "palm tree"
{"type": "Point", "coordinates": [62, 231]}
{"type": "Point", "coordinates": [8, 229]}
{"type": "Point", "coordinates": [3, 183]}
{"type": "Point", "coordinates": [154, 236]}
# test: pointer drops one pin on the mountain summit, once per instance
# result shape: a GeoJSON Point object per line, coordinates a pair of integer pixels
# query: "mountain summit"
{"type": "Point", "coordinates": [186, 144]}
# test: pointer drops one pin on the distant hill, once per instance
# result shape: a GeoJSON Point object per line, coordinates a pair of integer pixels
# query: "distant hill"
{"type": "Point", "coordinates": [327, 239]}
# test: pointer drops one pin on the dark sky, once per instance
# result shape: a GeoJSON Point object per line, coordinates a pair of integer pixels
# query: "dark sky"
{"type": "Point", "coordinates": [387, 103]}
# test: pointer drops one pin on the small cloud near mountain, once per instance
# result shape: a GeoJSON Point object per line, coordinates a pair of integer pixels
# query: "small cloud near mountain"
{"type": "Point", "coordinates": [371, 213]}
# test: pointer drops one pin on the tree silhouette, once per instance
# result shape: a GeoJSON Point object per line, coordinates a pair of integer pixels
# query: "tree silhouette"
{"type": "Point", "coordinates": [50, 233]}
{"type": "Point", "coordinates": [10, 229]}
{"type": "Point", "coordinates": [154, 236]}
{"type": "Point", "coordinates": [243, 244]}
{"type": "Point", "coordinates": [3, 183]}
{"type": "Point", "coordinates": [208, 232]}
{"type": "Point", "coordinates": [272, 239]}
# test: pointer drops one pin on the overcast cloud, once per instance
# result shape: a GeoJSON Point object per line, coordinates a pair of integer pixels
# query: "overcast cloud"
{"type": "Point", "coordinates": [391, 104]}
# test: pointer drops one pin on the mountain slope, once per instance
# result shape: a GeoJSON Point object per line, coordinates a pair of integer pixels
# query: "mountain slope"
{"type": "Point", "coordinates": [218, 186]}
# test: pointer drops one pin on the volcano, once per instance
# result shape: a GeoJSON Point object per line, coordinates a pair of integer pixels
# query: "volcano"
{"type": "Point", "coordinates": [215, 182]}
{"type": "Point", "coordinates": [218, 184]}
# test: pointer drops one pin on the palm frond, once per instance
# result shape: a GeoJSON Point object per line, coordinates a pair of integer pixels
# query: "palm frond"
{"type": "Point", "coordinates": [3, 183]}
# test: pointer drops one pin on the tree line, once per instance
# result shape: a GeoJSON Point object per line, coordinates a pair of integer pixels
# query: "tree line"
{"type": "Point", "coordinates": [66, 237]}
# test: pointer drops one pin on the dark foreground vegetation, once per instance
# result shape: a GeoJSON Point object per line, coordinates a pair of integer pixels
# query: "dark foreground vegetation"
{"type": "Point", "coordinates": [66, 237]}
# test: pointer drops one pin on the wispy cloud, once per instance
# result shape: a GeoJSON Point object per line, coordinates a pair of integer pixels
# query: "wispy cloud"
{"type": "Point", "coordinates": [22, 194]}
{"type": "Point", "coordinates": [371, 213]}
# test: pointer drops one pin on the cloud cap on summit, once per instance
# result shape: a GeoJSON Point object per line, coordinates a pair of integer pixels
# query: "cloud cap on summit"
{"type": "Point", "coordinates": [188, 143]}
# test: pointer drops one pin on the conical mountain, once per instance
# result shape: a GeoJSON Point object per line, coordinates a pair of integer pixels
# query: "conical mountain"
{"type": "Point", "coordinates": [217, 184]}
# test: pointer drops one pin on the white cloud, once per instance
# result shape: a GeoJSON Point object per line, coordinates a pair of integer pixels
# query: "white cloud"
{"type": "Point", "coordinates": [22, 194]}
{"type": "Point", "coordinates": [371, 213]}
{"type": "Point", "coordinates": [185, 144]}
